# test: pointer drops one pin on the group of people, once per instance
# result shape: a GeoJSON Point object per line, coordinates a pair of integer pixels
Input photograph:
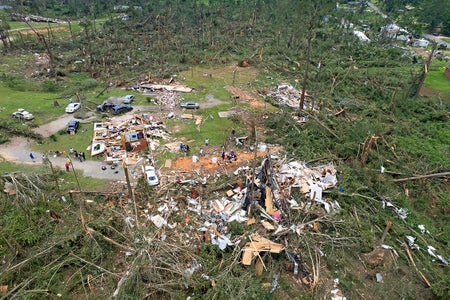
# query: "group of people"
{"type": "Point", "coordinates": [80, 156]}
{"type": "Point", "coordinates": [184, 148]}
{"type": "Point", "coordinates": [229, 156]}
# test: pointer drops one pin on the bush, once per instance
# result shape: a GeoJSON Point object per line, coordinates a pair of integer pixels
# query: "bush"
{"type": "Point", "coordinates": [88, 84]}
{"type": "Point", "coordinates": [49, 86]}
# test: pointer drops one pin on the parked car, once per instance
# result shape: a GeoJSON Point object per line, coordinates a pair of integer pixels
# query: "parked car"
{"type": "Point", "coordinates": [72, 126]}
{"type": "Point", "coordinates": [73, 107]}
{"type": "Point", "coordinates": [120, 109]}
{"type": "Point", "coordinates": [128, 99]}
{"type": "Point", "coordinates": [190, 105]}
{"type": "Point", "coordinates": [105, 106]}
{"type": "Point", "coordinates": [22, 114]}
{"type": "Point", "coordinates": [150, 175]}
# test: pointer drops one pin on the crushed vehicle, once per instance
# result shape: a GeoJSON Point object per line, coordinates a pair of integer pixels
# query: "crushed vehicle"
{"type": "Point", "coordinates": [73, 107]}
{"type": "Point", "coordinates": [22, 114]}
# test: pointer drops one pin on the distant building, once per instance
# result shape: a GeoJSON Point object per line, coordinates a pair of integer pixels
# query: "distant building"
{"type": "Point", "coordinates": [393, 31]}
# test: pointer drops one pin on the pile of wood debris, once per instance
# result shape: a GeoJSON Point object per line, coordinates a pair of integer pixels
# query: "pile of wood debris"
{"type": "Point", "coordinates": [259, 198]}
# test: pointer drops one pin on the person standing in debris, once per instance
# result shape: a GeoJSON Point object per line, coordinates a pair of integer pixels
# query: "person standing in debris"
{"type": "Point", "coordinates": [201, 152]}
{"type": "Point", "coordinates": [187, 149]}
{"type": "Point", "coordinates": [206, 142]}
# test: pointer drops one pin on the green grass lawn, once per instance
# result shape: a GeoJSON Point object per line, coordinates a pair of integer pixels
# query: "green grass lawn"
{"type": "Point", "coordinates": [437, 80]}
{"type": "Point", "coordinates": [39, 104]}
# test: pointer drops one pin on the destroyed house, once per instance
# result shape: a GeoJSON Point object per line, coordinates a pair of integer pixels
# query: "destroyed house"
{"type": "Point", "coordinates": [134, 141]}
{"type": "Point", "coordinates": [115, 139]}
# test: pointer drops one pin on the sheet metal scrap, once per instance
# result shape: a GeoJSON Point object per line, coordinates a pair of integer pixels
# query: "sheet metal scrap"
{"type": "Point", "coordinates": [309, 180]}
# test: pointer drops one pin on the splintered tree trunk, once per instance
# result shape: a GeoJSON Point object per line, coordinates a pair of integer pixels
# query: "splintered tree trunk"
{"type": "Point", "coordinates": [41, 37]}
{"type": "Point", "coordinates": [70, 29]}
{"type": "Point", "coordinates": [4, 38]}
{"type": "Point", "coordinates": [305, 75]}
{"type": "Point", "coordinates": [310, 36]}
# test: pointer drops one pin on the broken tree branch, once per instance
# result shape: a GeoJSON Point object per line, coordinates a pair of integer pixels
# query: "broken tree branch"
{"type": "Point", "coordinates": [388, 226]}
{"type": "Point", "coordinates": [408, 251]}
{"type": "Point", "coordinates": [325, 126]}
{"type": "Point", "coordinates": [443, 174]}
{"type": "Point", "coordinates": [92, 264]}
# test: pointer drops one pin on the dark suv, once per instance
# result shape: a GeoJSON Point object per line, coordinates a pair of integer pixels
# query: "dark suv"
{"type": "Point", "coordinates": [72, 126]}
{"type": "Point", "coordinates": [120, 109]}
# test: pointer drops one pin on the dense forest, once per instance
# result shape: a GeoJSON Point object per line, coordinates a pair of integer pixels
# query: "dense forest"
{"type": "Point", "coordinates": [366, 113]}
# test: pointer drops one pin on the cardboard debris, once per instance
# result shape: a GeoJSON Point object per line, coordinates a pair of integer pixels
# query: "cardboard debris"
{"type": "Point", "coordinates": [9, 188]}
{"type": "Point", "coordinates": [230, 193]}
{"type": "Point", "coordinates": [256, 245]}
{"type": "Point", "coordinates": [259, 266]}
{"type": "Point", "coordinates": [3, 289]}
{"type": "Point", "coordinates": [168, 163]}
{"type": "Point", "coordinates": [267, 225]}
{"type": "Point", "coordinates": [251, 221]}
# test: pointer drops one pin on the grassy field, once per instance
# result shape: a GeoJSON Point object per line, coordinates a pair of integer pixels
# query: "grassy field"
{"type": "Point", "coordinates": [39, 104]}
{"type": "Point", "coordinates": [436, 79]}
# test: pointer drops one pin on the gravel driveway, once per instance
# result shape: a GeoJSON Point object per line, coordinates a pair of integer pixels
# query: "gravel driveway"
{"type": "Point", "coordinates": [18, 150]}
